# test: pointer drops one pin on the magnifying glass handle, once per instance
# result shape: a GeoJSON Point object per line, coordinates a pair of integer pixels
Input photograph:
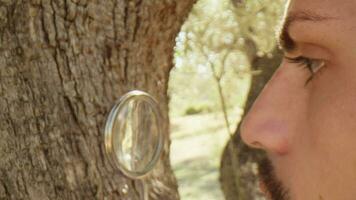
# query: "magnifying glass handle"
{"type": "Point", "coordinates": [145, 190]}
{"type": "Point", "coordinates": [142, 189]}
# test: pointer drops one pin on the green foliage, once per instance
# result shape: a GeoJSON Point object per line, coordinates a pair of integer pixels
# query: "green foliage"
{"type": "Point", "coordinates": [198, 109]}
{"type": "Point", "coordinates": [193, 111]}
{"type": "Point", "coordinates": [212, 44]}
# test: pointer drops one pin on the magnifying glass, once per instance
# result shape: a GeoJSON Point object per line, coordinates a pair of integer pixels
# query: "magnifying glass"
{"type": "Point", "coordinates": [133, 135]}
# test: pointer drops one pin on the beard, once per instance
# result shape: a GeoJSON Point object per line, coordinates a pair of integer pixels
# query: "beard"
{"type": "Point", "coordinates": [274, 187]}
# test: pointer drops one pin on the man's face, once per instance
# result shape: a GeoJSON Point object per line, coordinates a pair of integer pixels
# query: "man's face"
{"type": "Point", "coordinates": [307, 125]}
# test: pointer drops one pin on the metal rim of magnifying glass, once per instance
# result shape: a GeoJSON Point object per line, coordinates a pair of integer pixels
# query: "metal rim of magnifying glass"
{"type": "Point", "coordinates": [109, 136]}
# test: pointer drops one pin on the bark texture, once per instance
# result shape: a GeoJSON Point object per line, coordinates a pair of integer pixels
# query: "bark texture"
{"type": "Point", "coordinates": [63, 64]}
{"type": "Point", "coordinates": [245, 184]}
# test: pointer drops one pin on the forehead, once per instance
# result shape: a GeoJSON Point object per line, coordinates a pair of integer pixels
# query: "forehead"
{"type": "Point", "coordinates": [337, 8]}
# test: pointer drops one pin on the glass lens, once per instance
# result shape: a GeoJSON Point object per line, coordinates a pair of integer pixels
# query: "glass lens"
{"type": "Point", "coordinates": [135, 139]}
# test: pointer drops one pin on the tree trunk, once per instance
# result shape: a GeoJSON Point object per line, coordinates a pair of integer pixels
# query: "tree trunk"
{"type": "Point", "coordinates": [63, 64]}
{"type": "Point", "coordinates": [246, 168]}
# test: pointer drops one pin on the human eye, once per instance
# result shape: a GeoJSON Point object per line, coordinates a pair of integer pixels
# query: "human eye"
{"type": "Point", "coordinates": [313, 65]}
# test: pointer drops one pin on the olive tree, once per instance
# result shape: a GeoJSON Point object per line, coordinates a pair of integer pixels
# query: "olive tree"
{"type": "Point", "coordinates": [63, 64]}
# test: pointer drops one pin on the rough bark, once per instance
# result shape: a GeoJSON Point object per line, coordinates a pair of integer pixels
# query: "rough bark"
{"type": "Point", "coordinates": [63, 64]}
{"type": "Point", "coordinates": [246, 167]}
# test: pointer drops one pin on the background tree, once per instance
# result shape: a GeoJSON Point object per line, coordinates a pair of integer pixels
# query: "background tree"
{"type": "Point", "coordinates": [216, 46]}
{"type": "Point", "coordinates": [209, 52]}
{"type": "Point", "coordinates": [63, 64]}
{"type": "Point", "coordinates": [245, 184]}
{"type": "Point", "coordinates": [223, 46]}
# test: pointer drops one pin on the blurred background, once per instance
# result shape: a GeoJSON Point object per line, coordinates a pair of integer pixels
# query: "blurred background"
{"type": "Point", "coordinates": [64, 64]}
{"type": "Point", "coordinates": [224, 54]}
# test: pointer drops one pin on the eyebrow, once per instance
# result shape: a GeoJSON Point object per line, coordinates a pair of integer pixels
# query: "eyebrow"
{"type": "Point", "coordinates": [284, 39]}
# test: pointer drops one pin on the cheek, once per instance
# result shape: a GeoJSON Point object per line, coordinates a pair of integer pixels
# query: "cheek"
{"type": "Point", "coordinates": [334, 122]}
{"type": "Point", "coordinates": [325, 146]}
{"type": "Point", "coordinates": [332, 114]}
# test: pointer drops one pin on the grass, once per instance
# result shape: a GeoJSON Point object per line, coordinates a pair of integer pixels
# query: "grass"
{"type": "Point", "coordinates": [197, 145]}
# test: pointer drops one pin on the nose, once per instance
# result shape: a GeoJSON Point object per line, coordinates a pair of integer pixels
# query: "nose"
{"type": "Point", "coordinates": [273, 119]}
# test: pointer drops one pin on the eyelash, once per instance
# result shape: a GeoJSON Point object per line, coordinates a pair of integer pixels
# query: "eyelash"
{"type": "Point", "coordinates": [308, 64]}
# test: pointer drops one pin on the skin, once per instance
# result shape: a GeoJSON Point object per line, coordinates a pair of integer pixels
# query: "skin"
{"type": "Point", "coordinates": [309, 130]}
